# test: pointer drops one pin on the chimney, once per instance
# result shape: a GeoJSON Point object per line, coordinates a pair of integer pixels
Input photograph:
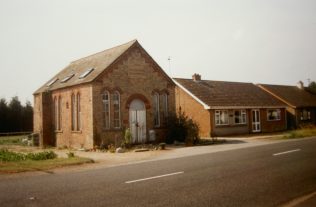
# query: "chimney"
{"type": "Point", "coordinates": [196, 77]}
{"type": "Point", "coordinates": [300, 85]}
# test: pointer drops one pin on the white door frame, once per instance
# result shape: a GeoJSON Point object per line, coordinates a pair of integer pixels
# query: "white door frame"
{"type": "Point", "coordinates": [255, 121]}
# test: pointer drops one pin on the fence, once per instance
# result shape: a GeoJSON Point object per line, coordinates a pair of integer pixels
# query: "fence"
{"type": "Point", "coordinates": [5, 134]}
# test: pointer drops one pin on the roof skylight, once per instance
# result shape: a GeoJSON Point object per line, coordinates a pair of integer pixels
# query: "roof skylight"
{"type": "Point", "coordinates": [67, 78]}
{"type": "Point", "coordinates": [52, 82]}
{"type": "Point", "coordinates": [86, 73]}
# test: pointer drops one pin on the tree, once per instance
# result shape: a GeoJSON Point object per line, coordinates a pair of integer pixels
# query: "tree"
{"type": "Point", "coordinates": [15, 115]}
{"type": "Point", "coordinates": [27, 117]}
{"type": "Point", "coordinates": [312, 87]}
{"type": "Point", "coordinates": [3, 115]}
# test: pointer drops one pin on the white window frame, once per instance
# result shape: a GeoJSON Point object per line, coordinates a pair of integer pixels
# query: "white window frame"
{"type": "Point", "coordinates": [73, 112]}
{"type": "Point", "coordinates": [218, 114]}
{"type": "Point", "coordinates": [106, 119]}
{"type": "Point", "coordinates": [156, 110]}
{"type": "Point", "coordinates": [278, 117]}
{"type": "Point", "coordinates": [242, 117]}
{"type": "Point", "coordinates": [305, 115]}
{"type": "Point", "coordinates": [117, 120]}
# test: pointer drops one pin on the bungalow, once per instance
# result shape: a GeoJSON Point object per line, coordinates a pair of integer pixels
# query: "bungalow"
{"type": "Point", "coordinates": [94, 99]}
{"type": "Point", "coordinates": [229, 108]}
{"type": "Point", "coordinates": [300, 104]}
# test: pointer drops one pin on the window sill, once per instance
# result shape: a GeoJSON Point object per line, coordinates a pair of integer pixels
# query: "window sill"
{"type": "Point", "coordinates": [76, 132]}
{"type": "Point", "coordinates": [275, 120]}
{"type": "Point", "coordinates": [58, 131]}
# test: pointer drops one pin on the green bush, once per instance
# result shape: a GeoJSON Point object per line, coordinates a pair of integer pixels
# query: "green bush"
{"type": "Point", "coordinates": [8, 156]}
{"type": "Point", "coordinates": [183, 129]}
{"type": "Point", "coordinates": [71, 154]}
{"type": "Point", "coordinates": [46, 155]}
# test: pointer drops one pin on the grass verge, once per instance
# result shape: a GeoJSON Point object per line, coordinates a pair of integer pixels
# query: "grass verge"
{"type": "Point", "coordinates": [41, 165]}
{"type": "Point", "coordinates": [12, 140]}
{"type": "Point", "coordinates": [300, 133]}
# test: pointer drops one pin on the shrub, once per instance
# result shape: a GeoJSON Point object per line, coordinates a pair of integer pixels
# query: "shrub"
{"type": "Point", "coordinates": [8, 156]}
{"type": "Point", "coordinates": [111, 148]}
{"type": "Point", "coordinates": [181, 128]}
{"type": "Point", "coordinates": [127, 137]}
{"type": "Point", "coordinates": [71, 154]}
{"type": "Point", "coordinates": [46, 155]}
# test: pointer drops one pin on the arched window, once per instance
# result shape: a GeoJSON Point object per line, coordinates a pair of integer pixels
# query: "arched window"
{"type": "Point", "coordinates": [56, 113]}
{"type": "Point", "coordinates": [156, 109]}
{"type": "Point", "coordinates": [117, 109]}
{"type": "Point", "coordinates": [78, 113]}
{"type": "Point", "coordinates": [73, 112]}
{"type": "Point", "coordinates": [59, 114]}
{"type": "Point", "coordinates": [106, 109]}
{"type": "Point", "coordinates": [164, 108]}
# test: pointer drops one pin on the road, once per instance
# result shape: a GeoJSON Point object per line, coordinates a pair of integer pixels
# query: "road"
{"type": "Point", "coordinates": [268, 175]}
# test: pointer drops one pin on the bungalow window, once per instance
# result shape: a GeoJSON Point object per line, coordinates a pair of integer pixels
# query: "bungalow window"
{"type": "Point", "coordinates": [221, 117]}
{"type": "Point", "coordinates": [274, 114]}
{"type": "Point", "coordinates": [164, 101]}
{"type": "Point", "coordinates": [305, 114]}
{"type": "Point", "coordinates": [156, 110]}
{"type": "Point", "coordinates": [116, 108]}
{"type": "Point", "coordinates": [106, 109]}
{"type": "Point", "coordinates": [240, 117]}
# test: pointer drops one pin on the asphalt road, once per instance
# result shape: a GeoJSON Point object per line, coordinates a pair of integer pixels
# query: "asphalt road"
{"type": "Point", "coordinates": [268, 175]}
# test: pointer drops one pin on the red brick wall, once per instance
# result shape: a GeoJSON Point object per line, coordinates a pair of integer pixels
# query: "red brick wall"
{"type": "Point", "coordinates": [66, 136]}
{"type": "Point", "coordinates": [193, 110]}
{"type": "Point", "coordinates": [42, 119]}
{"type": "Point", "coordinates": [272, 126]}
{"type": "Point", "coordinates": [135, 76]}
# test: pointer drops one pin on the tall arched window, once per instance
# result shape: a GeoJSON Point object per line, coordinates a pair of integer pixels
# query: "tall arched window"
{"type": "Point", "coordinates": [59, 114]}
{"type": "Point", "coordinates": [156, 109]}
{"type": "Point", "coordinates": [56, 113]}
{"type": "Point", "coordinates": [73, 112]}
{"type": "Point", "coordinates": [164, 108]}
{"type": "Point", "coordinates": [78, 113]}
{"type": "Point", "coordinates": [106, 109]}
{"type": "Point", "coordinates": [116, 109]}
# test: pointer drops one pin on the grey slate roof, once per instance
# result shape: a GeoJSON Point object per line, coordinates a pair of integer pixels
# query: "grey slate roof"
{"type": "Point", "coordinates": [220, 94]}
{"type": "Point", "coordinates": [99, 61]}
{"type": "Point", "coordinates": [291, 95]}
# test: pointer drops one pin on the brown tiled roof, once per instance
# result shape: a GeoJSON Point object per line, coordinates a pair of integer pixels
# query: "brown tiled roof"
{"type": "Point", "coordinates": [291, 95]}
{"type": "Point", "coordinates": [99, 62]}
{"type": "Point", "coordinates": [221, 94]}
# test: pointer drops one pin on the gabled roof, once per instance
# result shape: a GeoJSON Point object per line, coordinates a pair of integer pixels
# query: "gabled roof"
{"type": "Point", "coordinates": [222, 94]}
{"type": "Point", "coordinates": [291, 95]}
{"type": "Point", "coordinates": [87, 69]}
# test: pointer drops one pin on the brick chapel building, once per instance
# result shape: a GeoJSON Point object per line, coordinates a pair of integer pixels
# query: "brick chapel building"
{"type": "Point", "coordinates": [94, 99]}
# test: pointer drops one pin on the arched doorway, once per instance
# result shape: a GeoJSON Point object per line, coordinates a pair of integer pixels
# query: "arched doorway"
{"type": "Point", "coordinates": [137, 121]}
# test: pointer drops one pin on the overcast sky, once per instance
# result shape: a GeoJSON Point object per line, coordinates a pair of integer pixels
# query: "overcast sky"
{"type": "Point", "coordinates": [260, 41]}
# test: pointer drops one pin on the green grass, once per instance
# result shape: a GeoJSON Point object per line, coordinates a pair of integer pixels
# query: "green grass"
{"type": "Point", "coordinates": [41, 165]}
{"type": "Point", "coordinates": [12, 140]}
{"type": "Point", "coordinates": [300, 133]}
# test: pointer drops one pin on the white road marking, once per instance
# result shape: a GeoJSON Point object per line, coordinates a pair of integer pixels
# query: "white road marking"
{"type": "Point", "coordinates": [155, 177]}
{"type": "Point", "coordinates": [286, 152]}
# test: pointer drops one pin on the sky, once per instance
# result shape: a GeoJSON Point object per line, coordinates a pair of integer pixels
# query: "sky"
{"type": "Point", "coordinates": [259, 41]}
